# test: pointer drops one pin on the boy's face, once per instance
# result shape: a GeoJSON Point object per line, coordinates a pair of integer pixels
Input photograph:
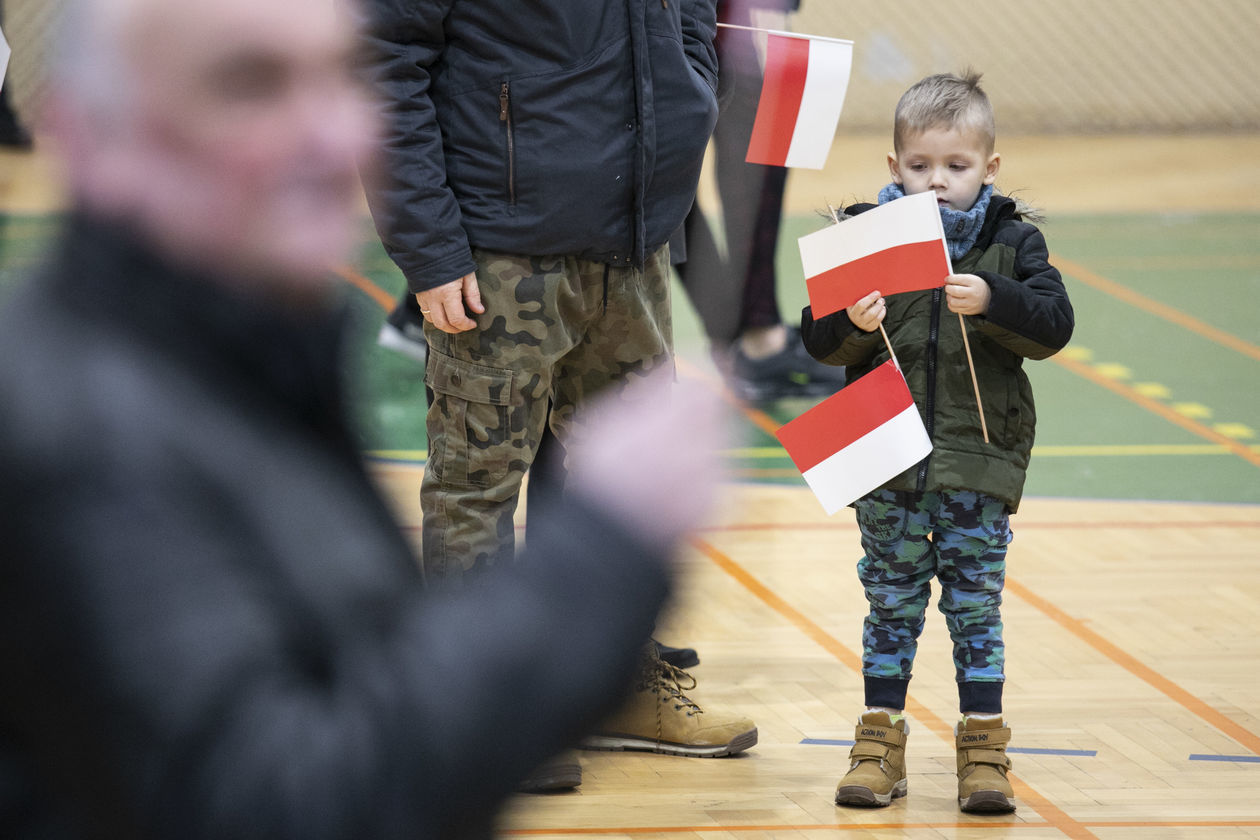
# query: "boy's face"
{"type": "Point", "coordinates": [952, 162]}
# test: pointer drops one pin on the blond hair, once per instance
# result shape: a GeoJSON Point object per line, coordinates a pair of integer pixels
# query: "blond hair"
{"type": "Point", "coordinates": [945, 101]}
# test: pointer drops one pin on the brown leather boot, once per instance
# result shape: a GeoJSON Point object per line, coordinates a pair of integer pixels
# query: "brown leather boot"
{"type": "Point", "coordinates": [982, 766]}
{"type": "Point", "coordinates": [877, 771]}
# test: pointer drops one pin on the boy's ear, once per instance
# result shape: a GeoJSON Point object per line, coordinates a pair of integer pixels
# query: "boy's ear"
{"type": "Point", "coordinates": [992, 167]}
{"type": "Point", "coordinates": [895, 170]}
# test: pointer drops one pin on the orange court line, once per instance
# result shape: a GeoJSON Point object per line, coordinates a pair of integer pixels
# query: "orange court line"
{"type": "Point", "coordinates": [1170, 414]}
{"type": "Point", "coordinates": [383, 298]}
{"type": "Point", "coordinates": [700, 829]}
{"type": "Point", "coordinates": [755, 416]}
{"type": "Point", "coordinates": [1165, 686]}
{"type": "Point", "coordinates": [1156, 308]}
{"type": "Point", "coordinates": [1126, 661]}
{"type": "Point", "coordinates": [869, 827]}
{"type": "Point", "coordinates": [1048, 811]}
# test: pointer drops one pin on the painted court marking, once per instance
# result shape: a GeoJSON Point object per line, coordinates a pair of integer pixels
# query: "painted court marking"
{"type": "Point", "coordinates": [833, 742]}
{"type": "Point", "coordinates": [1047, 810]}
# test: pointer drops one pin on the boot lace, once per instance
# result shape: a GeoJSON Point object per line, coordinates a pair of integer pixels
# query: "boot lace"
{"type": "Point", "coordinates": [672, 682]}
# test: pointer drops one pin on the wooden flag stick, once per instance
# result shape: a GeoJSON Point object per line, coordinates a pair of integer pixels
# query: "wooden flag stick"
{"type": "Point", "coordinates": [896, 363]}
{"type": "Point", "coordinates": [972, 367]}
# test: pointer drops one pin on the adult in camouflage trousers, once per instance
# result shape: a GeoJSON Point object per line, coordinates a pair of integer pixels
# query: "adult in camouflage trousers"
{"type": "Point", "coordinates": [539, 157]}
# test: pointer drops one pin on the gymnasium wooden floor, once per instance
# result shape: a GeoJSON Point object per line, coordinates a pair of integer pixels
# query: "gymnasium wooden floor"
{"type": "Point", "coordinates": [1133, 609]}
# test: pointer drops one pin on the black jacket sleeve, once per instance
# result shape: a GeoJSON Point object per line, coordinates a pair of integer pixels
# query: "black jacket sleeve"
{"type": "Point", "coordinates": [416, 213]}
{"type": "Point", "coordinates": [834, 340]}
{"type": "Point", "coordinates": [1030, 313]}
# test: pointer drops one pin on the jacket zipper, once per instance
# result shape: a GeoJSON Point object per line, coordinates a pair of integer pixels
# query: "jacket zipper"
{"type": "Point", "coordinates": [933, 332]}
{"type": "Point", "coordinates": [505, 117]}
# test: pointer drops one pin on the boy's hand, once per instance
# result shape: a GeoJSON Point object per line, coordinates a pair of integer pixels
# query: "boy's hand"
{"type": "Point", "coordinates": [967, 294]}
{"type": "Point", "coordinates": [868, 312]}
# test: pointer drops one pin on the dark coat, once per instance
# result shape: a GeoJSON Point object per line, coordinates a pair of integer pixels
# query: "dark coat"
{"type": "Point", "coordinates": [1029, 317]}
{"type": "Point", "coordinates": [210, 625]}
{"type": "Point", "coordinates": [572, 127]}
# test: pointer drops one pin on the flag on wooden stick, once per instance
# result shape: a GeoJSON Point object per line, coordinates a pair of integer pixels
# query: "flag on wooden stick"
{"type": "Point", "coordinates": [4, 56]}
{"type": "Point", "coordinates": [858, 438]}
{"type": "Point", "coordinates": [896, 247]}
{"type": "Point", "coordinates": [801, 97]}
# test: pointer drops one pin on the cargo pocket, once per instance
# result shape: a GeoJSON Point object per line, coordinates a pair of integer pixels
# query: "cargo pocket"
{"type": "Point", "coordinates": [472, 402]}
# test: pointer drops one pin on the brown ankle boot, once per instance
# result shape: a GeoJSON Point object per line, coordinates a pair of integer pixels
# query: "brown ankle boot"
{"type": "Point", "coordinates": [660, 717]}
{"type": "Point", "coordinates": [982, 766]}
{"type": "Point", "coordinates": [877, 770]}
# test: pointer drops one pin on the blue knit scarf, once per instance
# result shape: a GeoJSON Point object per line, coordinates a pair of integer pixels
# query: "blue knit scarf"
{"type": "Point", "coordinates": [961, 227]}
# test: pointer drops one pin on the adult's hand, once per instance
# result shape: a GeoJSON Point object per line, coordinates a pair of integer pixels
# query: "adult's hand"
{"type": "Point", "coordinates": [447, 306]}
{"type": "Point", "coordinates": [650, 456]}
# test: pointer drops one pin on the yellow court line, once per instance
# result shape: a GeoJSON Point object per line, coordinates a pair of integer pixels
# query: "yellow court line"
{"type": "Point", "coordinates": [1083, 450]}
{"type": "Point", "coordinates": [1084, 371]}
{"type": "Point", "coordinates": [770, 426]}
{"type": "Point", "coordinates": [1156, 308]}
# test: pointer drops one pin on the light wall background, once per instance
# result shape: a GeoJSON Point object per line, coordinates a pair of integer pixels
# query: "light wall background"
{"type": "Point", "coordinates": [1071, 66]}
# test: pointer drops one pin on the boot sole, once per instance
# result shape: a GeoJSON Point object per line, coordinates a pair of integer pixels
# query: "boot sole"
{"type": "Point", "coordinates": [552, 779]}
{"type": "Point", "coordinates": [987, 802]}
{"type": "Point", "coordinates": [863, 797]}
{"type": "Point", "coordinates": [618, 743]}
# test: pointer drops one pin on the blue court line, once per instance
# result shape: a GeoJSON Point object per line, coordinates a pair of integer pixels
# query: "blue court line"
{"type": "Point", "coordinates": [1040, 751]}
{"type": "Point", "coordinates": [1247, 759]}
{"type": "Point", "coordinates": [829, 742]}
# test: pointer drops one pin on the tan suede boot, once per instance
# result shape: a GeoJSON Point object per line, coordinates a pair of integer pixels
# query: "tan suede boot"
{"type": "Point", "coordinates": [659, 717]}
{"type": "Point", "coordinates": [877, 770]}
{"type": "Point", "coordinates": [982, 766]}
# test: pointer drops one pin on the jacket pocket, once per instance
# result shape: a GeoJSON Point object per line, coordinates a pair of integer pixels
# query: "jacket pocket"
{"type": "Point", "coordinates": [505, 117]}
{"type": "Point", "coordinates": [472, 446]}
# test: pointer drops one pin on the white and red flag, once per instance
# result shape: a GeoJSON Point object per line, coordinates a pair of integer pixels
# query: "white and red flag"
{"type": "Point", "coordinates": [4, 56]}
{"type": "Point", "coordinates": [801, 97]}
{"type": "Point", "coordinates": [896, 247]}
{"type": "Point", "coordinates": [858, 438]}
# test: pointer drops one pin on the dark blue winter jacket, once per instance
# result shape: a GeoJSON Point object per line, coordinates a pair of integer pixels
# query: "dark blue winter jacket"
{"type": "Point", "coordinates": [573, 127]}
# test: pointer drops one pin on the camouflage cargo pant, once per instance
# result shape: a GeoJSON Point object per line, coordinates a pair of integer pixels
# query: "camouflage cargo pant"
{"type": "Point", "coordinates": [556, 332]}
{"type": "Point", "coordinates": [958, 537]}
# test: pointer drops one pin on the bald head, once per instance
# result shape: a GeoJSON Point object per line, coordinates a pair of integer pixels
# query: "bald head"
{"type": "Point", "coordinates": [229, 132]}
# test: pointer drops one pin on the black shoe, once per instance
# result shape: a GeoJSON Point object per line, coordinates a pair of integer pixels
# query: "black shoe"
{"type": "Point", "coordinates": [560, 773]}
{"type": "Point", "coordinates": [791, 372]}
{"type": "Point", "coordinates": [678, 657]}
{"type": "Point", "coordinates": [13, 135]}
{"type": "Point", "coordinates": [403, 330]}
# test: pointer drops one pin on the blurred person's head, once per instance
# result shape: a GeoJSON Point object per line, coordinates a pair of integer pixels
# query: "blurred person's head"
{"type": "Point", "coordinates": [228, 133]}
{"type": "Point", "coordinates": [943, 139]}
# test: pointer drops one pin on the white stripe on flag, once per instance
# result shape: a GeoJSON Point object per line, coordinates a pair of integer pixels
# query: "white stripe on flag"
{"type": "Point", "coordinates": [4, 56]}
{"type": "Point", "coordinates": [915, 218]}
{"type": "Point", "coordinates": [821, 102]}
{"type": "Point", "coordinates": [870, 461]}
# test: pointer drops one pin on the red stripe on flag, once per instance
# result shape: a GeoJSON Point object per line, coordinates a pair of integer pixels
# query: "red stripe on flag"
{"type": "Point", "coordinates": [787, 65]}
{"type": "Point", "coordinates": [844, 417]}
{"type": "Point", "coordinates": [905, 268]}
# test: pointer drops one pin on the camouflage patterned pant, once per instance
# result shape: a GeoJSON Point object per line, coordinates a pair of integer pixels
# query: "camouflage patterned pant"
{"type": "Point", "coordinates": [556, 331]}
{"type": "Point", "coordinates": [958, 537]}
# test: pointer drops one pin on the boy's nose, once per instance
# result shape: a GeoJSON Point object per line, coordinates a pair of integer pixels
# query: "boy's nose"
{"type": "Point", "coordinates": [939, 179]}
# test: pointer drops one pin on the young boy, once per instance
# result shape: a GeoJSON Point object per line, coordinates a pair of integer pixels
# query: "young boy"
{"type": "Point", "coordinates": [948, 517]}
